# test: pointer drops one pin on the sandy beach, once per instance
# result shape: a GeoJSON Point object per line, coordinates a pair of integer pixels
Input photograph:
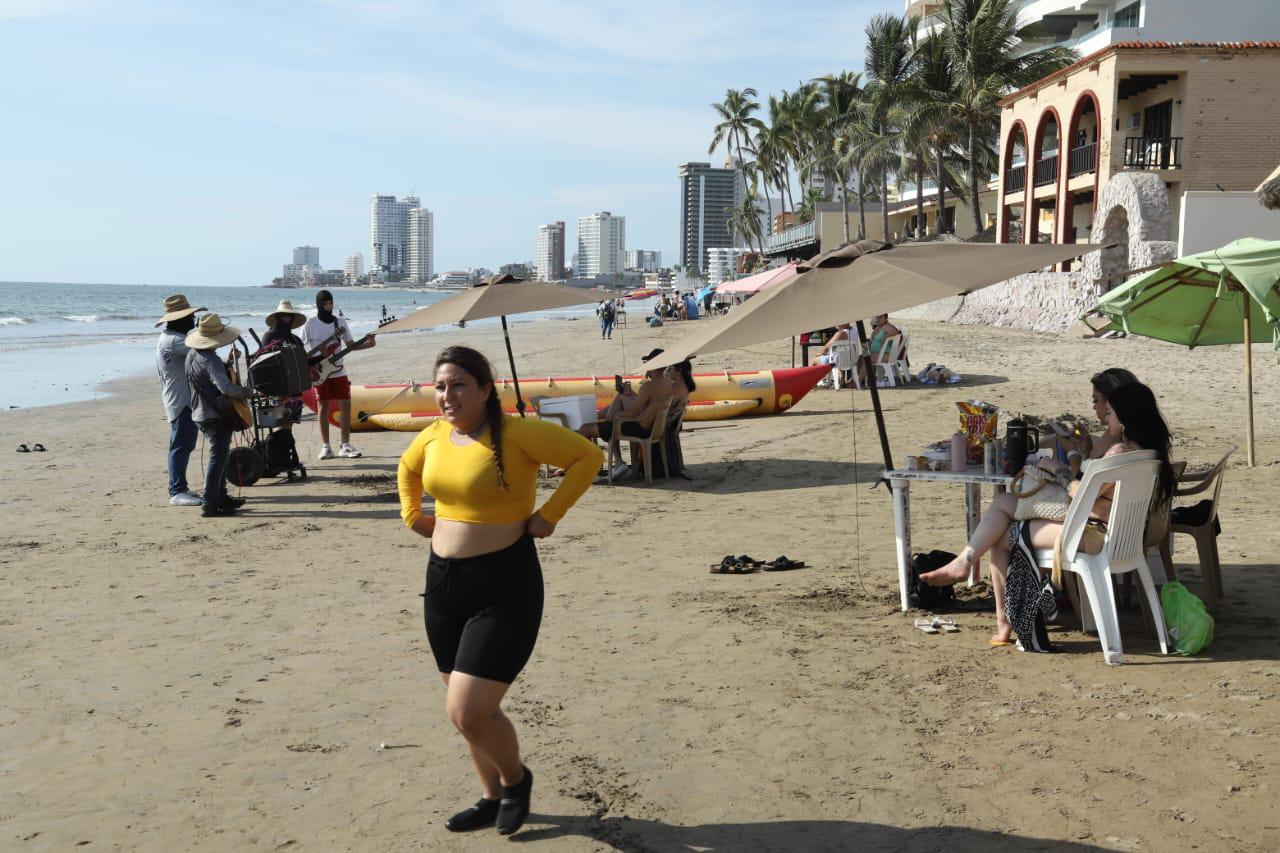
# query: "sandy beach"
{"type": "Point", "coordinates": [263, 682]}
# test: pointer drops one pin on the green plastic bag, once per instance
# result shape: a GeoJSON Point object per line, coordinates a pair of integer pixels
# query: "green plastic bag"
{"type": "Point", "coordinates": [1190, 627]}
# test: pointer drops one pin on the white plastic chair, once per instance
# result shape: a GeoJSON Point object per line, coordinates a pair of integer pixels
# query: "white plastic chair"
{"type": "Point", "coordinates": [899, 363]}
{"type": "Point", "coordinates": [1134, 478]}
{"type": "Point", "coordinates": [844, 363]}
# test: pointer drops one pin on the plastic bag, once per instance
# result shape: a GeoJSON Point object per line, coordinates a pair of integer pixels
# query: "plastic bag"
{"type": "Point", "coordinates": [1190, 627]}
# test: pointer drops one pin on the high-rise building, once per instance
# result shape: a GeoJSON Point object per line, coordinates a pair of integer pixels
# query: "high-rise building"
{"type": "Point", "coordinates": [422, 237]}
{"type": "Point", "coordinates": [389, 233]}
{"type": "Point", "coordinates": [722, 264]}
{"type": "Point", "coordinates": [353, 268]}
{"type": "Point", "coordinates": [601, 245]}
{"type": "Point", "coordinates": [550, 260]}
{"type": "Point", "coordinates": [707, 199]}
{"type": "Point", "coordinates": [306, 255]}
{"type": "Point", "coordinates": [643, 260]}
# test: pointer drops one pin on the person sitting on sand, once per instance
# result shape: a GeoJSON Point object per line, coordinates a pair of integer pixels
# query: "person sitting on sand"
{"type": "Point", "coordinates": [632, 404]}
{"type": "Point", "coordinates": [1133, 422]}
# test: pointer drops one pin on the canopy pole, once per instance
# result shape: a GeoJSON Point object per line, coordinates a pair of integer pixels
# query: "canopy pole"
{"type": "Point", "coordinates": [870, 373]}
{"type": "Point", "coordinates": [793, 350]}
{"type": "Point", "coordinates": [506, 336]}
{"type": "Point", "coordinates": [1248, 380]}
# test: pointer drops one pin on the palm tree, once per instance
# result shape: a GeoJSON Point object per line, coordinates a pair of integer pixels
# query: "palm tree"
{"type": "Point", "coordinates": [840, 99]}
{"type": "Point", "coordinates": [933, 118]}
{"type": "Point", "coordinates": [736, 124]}
{"type": "Point", "coordinates": [980, 36]}
{"type": "Point", "coordinates": [888, 66]}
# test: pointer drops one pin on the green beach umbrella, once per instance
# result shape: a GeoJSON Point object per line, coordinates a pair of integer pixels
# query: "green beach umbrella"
{"type": "Point", "coordinates": [1223, 296]}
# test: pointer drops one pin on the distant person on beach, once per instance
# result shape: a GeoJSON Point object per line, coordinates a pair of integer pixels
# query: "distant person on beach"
{"type": "Point", "coordinates": [334, 333]}
{"type": "Point", "coordinates": [208, 378]}
{"type": "Point", "coordinates": [632, 404]}
{"type": "Point", "coordinates": [1133, 422]}
{"type": "Point", "coordinates": [171, 360]}
{"type": "Point", "coordinates": [484, 596]}
{"type": "Point", "coordinates": [607, 317]}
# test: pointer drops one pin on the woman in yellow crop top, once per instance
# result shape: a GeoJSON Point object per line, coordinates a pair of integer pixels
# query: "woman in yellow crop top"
{"type": "Point", "coordinates": [484, 582]}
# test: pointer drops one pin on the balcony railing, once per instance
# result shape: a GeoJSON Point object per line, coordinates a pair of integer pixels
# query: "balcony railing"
{"type": "Point", "coordinates": [791, 238]}
{"type": "Point", "coordinates": [1083, 159]}
{"type": "Point", "coordinates": [1046, 170]}
{"type": "Point", "coordinates": [1015, 179]}
{"type": "Point", "coordinates": [1153, 152]}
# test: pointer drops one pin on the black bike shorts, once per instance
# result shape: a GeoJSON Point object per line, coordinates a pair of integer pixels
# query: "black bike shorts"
{"type": "Point", "coordinates": [482, 613]}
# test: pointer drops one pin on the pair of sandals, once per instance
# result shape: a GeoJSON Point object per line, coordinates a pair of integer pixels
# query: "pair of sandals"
{"type": "Point", "coordinates": [38, 448]}
{"type": "Point", "coordinates": [937, 625]}
{"type": "Point", "coordinates": [745, 565]}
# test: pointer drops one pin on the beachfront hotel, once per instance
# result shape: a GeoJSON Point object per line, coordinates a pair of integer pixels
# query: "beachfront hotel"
{"type": "Point", "coordinates": [550, 257]}
{"type": "Point", "coordinates": [401, 242]}
{"type": "Point", "coordinates": [353, 268]}
{"type": "Point", "coordinates": [601, 245]}
{"type": "Point", "coordinates": [722, 264]}
{"type": "Point", "coordinates": [422, 236]}
{"type": "Point", "coordinates": [644, 260]}
{"type": "Point", "coordinates": [707, 197]}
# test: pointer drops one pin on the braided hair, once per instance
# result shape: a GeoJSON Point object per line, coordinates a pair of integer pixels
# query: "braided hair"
{"type": "Point", "coordinates": [475, 364]}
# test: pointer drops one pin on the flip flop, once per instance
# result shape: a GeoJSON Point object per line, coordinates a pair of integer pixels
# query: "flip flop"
{"type": "Point", "coordinates": [22, 448]}
{"type": "Point", "coordinates": [731, 565]}
{"type": "Point", "coordinates": [995, 644]}
{"type": "Point", "coordinates": [750, 561]}
{"type": "Point", "coordinates": [38, 448]}
{"type": "Point", "coordinates": [926, 625]}
{"type": "Point", "coordinates": [946, 624]}
{"type": "Point", "coordinates": [782, 564]}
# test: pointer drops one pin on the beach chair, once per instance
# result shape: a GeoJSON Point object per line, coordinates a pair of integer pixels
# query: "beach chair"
{"type": "Point", "coordinates": [898, 362]}
{"type": "Point", "coordinates": [844, 365]}
{"type": "Point", "coordinates": [1134, 478]}
{"type": "Point", "coordinates": [1200, 521]}
{"type": "Point", "coordinates": [660, 411]}
{"type": "Point", "coordinates": [886, 363]}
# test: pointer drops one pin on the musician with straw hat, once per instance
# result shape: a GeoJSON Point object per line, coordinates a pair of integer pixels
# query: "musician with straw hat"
{"type": "Point", "coordinates": [208, 378]}
{"type": "Point", "coordinates": [171, 358]}
{"type": "Point", "coordinates": [280, 325]}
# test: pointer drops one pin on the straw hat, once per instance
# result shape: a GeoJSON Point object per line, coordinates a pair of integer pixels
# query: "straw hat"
{"type": "Point", "coordinates": [176, 307]}
{"type": "Point", "coordinates": [211, 333]}
{"type": "Point", "coordinates": [286, 307]}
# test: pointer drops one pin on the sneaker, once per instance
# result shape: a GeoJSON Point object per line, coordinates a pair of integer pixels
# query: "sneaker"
{"type": "Point", "coordinates": [620, 469]}
{"type": "Point", "coordinates": [326, 452]}
{"type": "Point", "coordinates": [217, 511]}
{"type": "Point", "coordinates": [234, 503]}
{"type": "Point", "coordinates": [185, 499]}
{"type": "Point", "coordinates": [346, 451]}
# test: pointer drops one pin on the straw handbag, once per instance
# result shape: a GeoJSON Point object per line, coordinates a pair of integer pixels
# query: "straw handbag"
{"type": "Point", "coordinates": [1039, 495]}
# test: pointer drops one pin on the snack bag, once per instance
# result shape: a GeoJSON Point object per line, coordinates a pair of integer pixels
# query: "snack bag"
{"type": "Point", "coordinates": [978, 423]}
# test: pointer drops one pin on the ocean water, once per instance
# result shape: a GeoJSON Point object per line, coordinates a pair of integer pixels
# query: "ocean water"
{"type": "Point", "coordinates": [60, 342]}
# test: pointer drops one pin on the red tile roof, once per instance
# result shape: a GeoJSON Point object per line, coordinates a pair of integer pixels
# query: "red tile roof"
{"type": "Point", "coordinates": [1138, 45]}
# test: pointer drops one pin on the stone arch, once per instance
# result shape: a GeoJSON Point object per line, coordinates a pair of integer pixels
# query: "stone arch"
{"type": "Point", "coordinates": [1017, 132]}
{"type": "Point", "coordinates": [1031, 222]}
{"type": "Point", "coordinates": [1079, 111]}
{"type": "Point", "coordinates": [1133, 216]}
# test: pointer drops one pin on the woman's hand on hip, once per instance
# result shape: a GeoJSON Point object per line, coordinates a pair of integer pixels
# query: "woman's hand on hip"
{"type": "Point", "coordinates": [538, 527]}
{"type": "Point", "coordinates": [425, 525]}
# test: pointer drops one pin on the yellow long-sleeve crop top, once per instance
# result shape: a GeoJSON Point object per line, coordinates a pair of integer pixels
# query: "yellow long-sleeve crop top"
{"type": "Point", "coordinates": [464, 479]}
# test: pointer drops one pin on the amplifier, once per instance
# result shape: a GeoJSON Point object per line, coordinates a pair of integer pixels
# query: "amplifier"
{"type": "Point", "coordinates": [282, 373]}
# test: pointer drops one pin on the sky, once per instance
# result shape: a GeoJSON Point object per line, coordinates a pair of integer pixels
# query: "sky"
{"type": "Point", "coordinates": [199, 142]}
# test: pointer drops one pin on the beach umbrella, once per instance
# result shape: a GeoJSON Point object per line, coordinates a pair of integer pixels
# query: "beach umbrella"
{"type": "Point", "coordinates": [1269, 191]}
{"type": "Point", "coordinates": [496, 296]}
{"type": "Point", "coordinates": [1223, 296]}
{"type": "Point", "coordinates": [864, 279]}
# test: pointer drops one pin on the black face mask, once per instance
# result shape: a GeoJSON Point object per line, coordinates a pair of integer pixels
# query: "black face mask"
{"type": "Point", "coordinates": [324, 314]}
{"type": "Point", "coordinates": [284, 325]}
{"type": "Point", "coordinates": [182, 325]}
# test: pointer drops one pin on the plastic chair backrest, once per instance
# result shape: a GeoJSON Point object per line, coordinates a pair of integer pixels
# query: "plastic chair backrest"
{"type": "Point", "coordinates": [889, 350]}
{"type": "Point", "coordinates": [660, 409]}
{"type": "Point", "coordinates": [843, 352]}
{"type": "Point", "coordinates": [1213, 477]}
{"type": "Point", "coordinates": [1133, 475]}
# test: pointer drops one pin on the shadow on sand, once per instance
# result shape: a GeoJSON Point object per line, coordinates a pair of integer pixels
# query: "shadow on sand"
{"type": "Point", "coordinates": [746, 476]}
{"type": "Point", "coordinates": [622, 833]}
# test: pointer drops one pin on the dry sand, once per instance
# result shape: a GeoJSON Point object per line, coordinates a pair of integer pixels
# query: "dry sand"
{"type": "Point", "coordinates": [175, 683]}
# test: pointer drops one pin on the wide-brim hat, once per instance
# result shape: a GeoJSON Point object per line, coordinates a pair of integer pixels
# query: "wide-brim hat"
{"type": "Point", "coordinates": [176, 307]}
{"type": "Point", "coordinates": [211, 333]}
{"type": "Point", "coordinates": [286, 307]}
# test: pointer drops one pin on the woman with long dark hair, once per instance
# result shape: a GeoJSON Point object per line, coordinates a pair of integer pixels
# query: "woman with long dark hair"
{"type": "Point", "coordinates": [484, 581]}
{"type": "Point", "coordinates": [1133, 422]}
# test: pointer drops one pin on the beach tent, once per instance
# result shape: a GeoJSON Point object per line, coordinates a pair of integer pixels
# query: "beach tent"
{"type": "Point", "coordinates": [1222, 296]}
{"type": "Point", "coordinates": [496, 296]}
{"type": "Point", "coordinates": [864, 279]}
{"type": "Point", "coordinates": [757, 282]}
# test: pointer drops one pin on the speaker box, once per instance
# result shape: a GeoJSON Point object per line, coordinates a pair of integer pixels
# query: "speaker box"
{"type": "Point", "coordinates": [282, 373]}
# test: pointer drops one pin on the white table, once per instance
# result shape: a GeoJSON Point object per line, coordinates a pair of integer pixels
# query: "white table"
{"type": "Point", "coordinates": [973, 480]}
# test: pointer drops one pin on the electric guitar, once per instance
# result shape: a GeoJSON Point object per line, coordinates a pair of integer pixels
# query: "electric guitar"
{"type": "Point", "coordinates": [324, 367]}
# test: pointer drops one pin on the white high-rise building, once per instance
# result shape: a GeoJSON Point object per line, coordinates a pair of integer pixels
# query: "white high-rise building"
{"type": "Point", "coordinates": [644, 260]}
{"type": "Point", "coordinates": [389, 233]}
{"type": "Point", "coordinates": [550, 260]}
{"type": "Point", "coordinates": [421, 266]}
{"type": "Point", "coordinates": [353, 268]}
{"type": "Point", "coordinates": [722, 263]}
{"type": "Point", "coordinates": [601, 245]}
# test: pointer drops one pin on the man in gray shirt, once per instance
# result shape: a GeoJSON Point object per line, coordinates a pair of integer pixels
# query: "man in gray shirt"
{"type": "Point", "coordinates": [208, 378]}
{"type": "Point", "coordinates": [171, 357]}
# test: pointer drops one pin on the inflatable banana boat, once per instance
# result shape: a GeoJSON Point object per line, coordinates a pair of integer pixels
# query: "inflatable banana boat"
{"type": "Point", "coordinates": [411, 406]}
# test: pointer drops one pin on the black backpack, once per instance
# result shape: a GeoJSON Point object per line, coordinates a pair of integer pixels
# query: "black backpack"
{"type": "Point", "coordinates": [921, 595]}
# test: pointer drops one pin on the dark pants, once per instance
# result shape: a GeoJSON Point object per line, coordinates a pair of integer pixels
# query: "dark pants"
{"type": "Point", "coordinates": [182, 440]}
{"type": "Point", "coordinates": [606, 328]}
{"type": "Point", "coordinates": [218, 436]}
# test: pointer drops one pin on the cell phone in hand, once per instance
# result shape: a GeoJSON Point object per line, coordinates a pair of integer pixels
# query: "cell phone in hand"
{"type": "Point", "coordinates": [1061, 429]}
{"type": "Point", "coordinates": [617, 382]}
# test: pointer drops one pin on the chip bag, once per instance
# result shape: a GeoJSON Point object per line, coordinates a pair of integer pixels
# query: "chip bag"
{"type": "Point", "coordinates": [978, 423]}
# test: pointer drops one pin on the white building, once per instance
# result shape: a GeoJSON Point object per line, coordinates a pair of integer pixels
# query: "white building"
{"type": "Point", "coordinates": [601, 245]}
{"type": "Point", "coordinates": [421, 265]}
{"type": "Point", "coordinates": [722, 264]}
{"type": "Point", "coordinates": [306, 255]}
{"type": "Point", "coordinates": [389, 233]}
{"type": "Point", "coordinates": [550, 260]}
{"type": "Point", "coordinates": [643, 260]}
{"type": "Point", "coordinates": [453, 280]}
{"type": "Point", "coordinates": [353, 268]}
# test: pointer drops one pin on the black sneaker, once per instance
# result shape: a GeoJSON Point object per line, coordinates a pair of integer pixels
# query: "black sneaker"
{"type": "Point", "coordinates": [217, 511]}
{"type": "Point", "coordinates": [234, 503]}
{"type": "Point", "coordinates": [513, 808]}
{"type": "Point", "coordinates": [480, 816]}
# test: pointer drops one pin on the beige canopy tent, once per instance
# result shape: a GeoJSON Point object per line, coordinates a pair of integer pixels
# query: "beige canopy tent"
{"type": "Point", "coordinates": [861, 280]}
{"type": "Point", "coordinates": [496, 296]}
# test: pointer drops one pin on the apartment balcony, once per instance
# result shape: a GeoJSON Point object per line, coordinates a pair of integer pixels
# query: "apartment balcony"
{"type": "Point", "coordinates": [1046, 170]}
{"type": "Point", "coordinates": [1153, 152]}
{"type": "Point", "coordinates": [1015, 179]}
{"type": "Point", "coordinates": [792, 238]}
{"type": "Point", "coordinates": [1083, 159]}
